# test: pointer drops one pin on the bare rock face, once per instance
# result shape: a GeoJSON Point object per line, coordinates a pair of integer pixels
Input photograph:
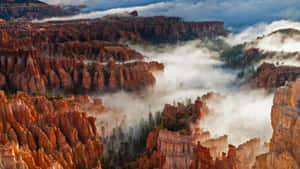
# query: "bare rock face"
{"type": "Point", "coordinates": [181, 117]}
{"type": "Point", "coordinates": [113, 29]}
{"type": "Point", "coordinates": [10, 157]}
{"type": "Point", "coordinates": [178, 149]}
{"type": "Point", "coordinates": [31, 72]}
{"type": "Point", "coordinates": [285, 142]}
{"type": "Point", "coordinates": [91, 51]}
{"type": "Point", "coordinates": [40, 132]}
{"type": "Point", "coordinates": [189, 147]}
{"type": "Point", "coordinates": [4, 37]}
{"type": "Point", "coordinates": [38, 57]}
{"type": "Point", "coordinates": [29, 9]}
{"type": "Point", "coordinates": [271, 76]}
{"type": "Point", "coordinates": [33, 61]}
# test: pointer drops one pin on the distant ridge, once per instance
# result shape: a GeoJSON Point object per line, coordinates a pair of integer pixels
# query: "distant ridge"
{"type": "Point", "coordinates": [31, 9]}
{"type": "Point", "coordinates": [20, 1]}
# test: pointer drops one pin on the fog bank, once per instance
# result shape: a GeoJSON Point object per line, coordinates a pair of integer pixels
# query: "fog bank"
{"type": "Point", "coordinates": [237, 14]}
{"type": "Point", "coordinates": [192, 70]}
{"type": "Point", "coordinates": [253, 32]}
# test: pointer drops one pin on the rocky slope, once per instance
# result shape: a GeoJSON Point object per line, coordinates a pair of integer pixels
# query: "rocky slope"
{"type": "Point", "coordinates": [30, 9]}
{"type": "Point", "coordinates": [31, 72]}
{"type": "Point", "coordinates": [270, 76]}
{"type": "Point", "coordinates": [285, 143]}
{"type": "Point", "coordinates": [152, 29]}
{"type": "Point", "coordinates": [75, 55]}
{"type": "Point", "coordinates": [37, 65]}
{"type": "Point", "coordinates": [39, 131]}
{"type": "Point", "coordinates": [43, 132]}
{"type": "Point", "coordinates": [268, 61]}
{"type": "Point", "coordinates": [189, 147]}
{"type": "Point", "coordinates": [263, 69]}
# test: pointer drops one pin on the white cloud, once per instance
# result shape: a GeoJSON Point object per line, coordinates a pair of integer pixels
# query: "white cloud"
{"type": "Point", "coordinates": [280, 43]}
{"type": "Point", "coordinates": [258, 30]}
{"type": "Point", "coordinates": [235, 13]}
{"type": "Point", "coordinates": [67, 2]}
{"type": "Point", "coordinates": [192, 70]}
{"type": "Point", "coordinates": [97, 14]}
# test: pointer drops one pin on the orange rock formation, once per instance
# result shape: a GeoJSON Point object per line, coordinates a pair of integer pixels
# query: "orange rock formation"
{"type": "Point", "coordinates": [39, 132]}
{"type": "Point", "coordinates": [285, 143]}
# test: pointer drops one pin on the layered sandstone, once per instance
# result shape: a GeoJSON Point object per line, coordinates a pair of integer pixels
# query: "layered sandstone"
{"type": "Point", "coordinates": [285, 143]}
{"type": "Point", "coordinates": [189, 147]}
{"type": "Point", "coordinates": [178, 149]}
{"type": "Point", "coordinates": [10, 158]}
{"type": "Point", "coordinates": [30, 9]}
{"type": "Point", "coordinates": [32, 72]}
{"type": "Point", "coordinates": [167, 149]}
{"type": "Point", "coordinates": [44, 132]}
{"type": "Point", "coordinates": [271, 76]}
{"type": "Point", "coordinates": [38, 57]}
{"type": "Point", "coordinates": [181, 117]}
{"type": "Point", "coordinates": [32, 61]}
{"type": "Point", "coordinates": [135, 29]}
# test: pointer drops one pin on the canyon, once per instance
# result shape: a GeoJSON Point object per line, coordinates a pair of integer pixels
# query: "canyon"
{"type": "Point", "coordinates": [284, 145]}
{"type": "Point", "coordinates": [75, 56]}
{"type": "Point", "coordinates": [271, 76]}
{"type": "Point", "coordinates": [69, 89]}
{"type": "Point", "coordinates": [193, 148]}
{"type": "Point", "coordinates": [190, 147]}
{"type": "Point", "coordinates": [31, 9]}
{"type": "Point", "coordinates": [43, 132]}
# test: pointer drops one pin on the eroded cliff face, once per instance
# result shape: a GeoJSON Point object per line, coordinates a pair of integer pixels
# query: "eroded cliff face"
{"type": "Point", "coordinates": [48, 132]}
{"type": "Point", "coordinates": [30, 9]}
{"type": "Point", "coordinates": [271, 76]}
{"type": "Point", "coordinates": [113, 29]}
{"type": "Point", "coordinates": [9, 157]}
{"type": "Point", "coordinates": [76, 55]}
{"type": "Point", "coordinates": [189, 147]}
{"type": "Point", "coordinates": [32, 72]}
{"type": "Point", "coordinates": [37, 67]}
{"type": "Point", "coordinates": [178, 149]}
{"type": "Point", "coordinates": [285, 143]}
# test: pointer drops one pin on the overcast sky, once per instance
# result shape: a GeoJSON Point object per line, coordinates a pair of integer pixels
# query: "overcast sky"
{"type": "Point", "coordinates": [235, 13]}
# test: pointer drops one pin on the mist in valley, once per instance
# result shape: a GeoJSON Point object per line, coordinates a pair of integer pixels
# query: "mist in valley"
{"type": "Point", "coordinates": [195, 68]}
{"type": "Point", "coordinates": [192, 70]}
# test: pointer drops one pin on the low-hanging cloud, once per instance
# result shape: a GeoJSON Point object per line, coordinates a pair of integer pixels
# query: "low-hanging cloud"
{"type": "Point", "coordinates": [279, 40]}
{"type": "Point", "coordinates": [102, 4]}
{"type": "Point", "coordinates": [253, 32]}
{"type": "Point", "coordinates": [236, 14]}
{"type": "Point", "coordinates": [67, 2]}
{"type": "Point", "coordinates": [242, 115]}
{"type": "Point", "coordinates": [97, 14]}
{"type": "Point", "coordinates": [192, 70]}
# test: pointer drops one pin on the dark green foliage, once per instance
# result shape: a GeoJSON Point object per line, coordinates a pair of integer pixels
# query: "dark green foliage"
{"type": "Point", "coordinates": [288, 31]}
{"type": "Point", "coordinates": [125, 147]}
{"type": "Point", "coordinates": [233, 56]}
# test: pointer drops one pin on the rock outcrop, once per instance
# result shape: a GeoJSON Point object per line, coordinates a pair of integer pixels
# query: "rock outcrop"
{"type": "Point", "coordinates": [189, 147]}
{"type": "Point", "coordinates": [113, 29]}
{"type": "Point", "coordinates": [33, 61]}
{"type": "Point", "coordinates": [178, 150]}
{"type": "Point", "coordinates": [285, 143]}
{"type": "Point", "coordinates": [43, 132]}
{"type": "Point", "coordinates": [271, 76]}
{"type": "Point", "coordinates": [181, 117]}
{"type": "Point", "coordinates": [30, 9]}
{"type": "Point", "coordinates": [75, 55]}
{"type": "Point", "coordinates": [30, 71]}
{"type": "Point", "coordinates": [9, 157]}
